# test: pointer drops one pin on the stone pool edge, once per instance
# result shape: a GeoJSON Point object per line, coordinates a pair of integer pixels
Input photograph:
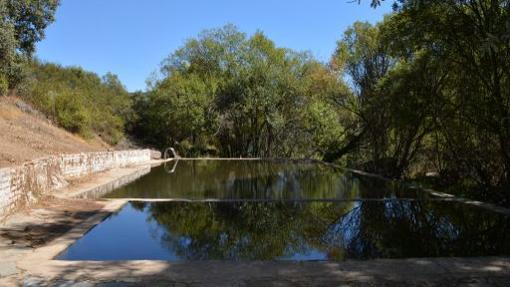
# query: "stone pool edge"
{"type": "Point", "coordinates": [441, 195]}
{"type": "Point", "coordinates": [13, 254]}
{"type": "Point", "coordinates": [107, 182]}
{"type": "Point", "coordinates": [55, 247]}
{"type": "Point", "coordinates": [40, 263]}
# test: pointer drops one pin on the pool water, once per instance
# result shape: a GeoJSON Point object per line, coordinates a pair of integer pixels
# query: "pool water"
{"type": "Point", "coordinates": [258, 180]}
{"type": "Point", "coordinates": [264, 210]}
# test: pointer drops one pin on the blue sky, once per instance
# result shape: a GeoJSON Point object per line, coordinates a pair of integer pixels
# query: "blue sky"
{"type": "Point", "coordinates": [130, 38]}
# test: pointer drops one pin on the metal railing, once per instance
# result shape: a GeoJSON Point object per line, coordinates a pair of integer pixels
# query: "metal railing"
{"type": "Point", "coordinates": [172, 150]}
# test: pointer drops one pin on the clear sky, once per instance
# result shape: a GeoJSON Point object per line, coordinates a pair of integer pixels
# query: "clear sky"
{"type": "Point", "coordinates": [130, 38]}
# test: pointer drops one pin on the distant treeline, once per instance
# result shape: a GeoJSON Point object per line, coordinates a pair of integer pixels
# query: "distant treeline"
{"type": "Point", "coordinates": [425, 90]}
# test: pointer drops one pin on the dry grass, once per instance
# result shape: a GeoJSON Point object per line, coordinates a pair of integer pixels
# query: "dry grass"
{"type": "Point", "coordinates": [26, 136]}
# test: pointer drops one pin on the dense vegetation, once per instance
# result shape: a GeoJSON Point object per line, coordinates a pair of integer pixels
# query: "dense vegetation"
{"type": "Point", "coordinates": [77, 100]}
{"type": "Point", "coordinates": [230, 95]}
{"type": "Point", "coordinates": [432, 88]}
{"type": "Point", "coordinates": [22, 24]}
{"type": "Point", "coordinates": [427, 89]}
{"type": "Point", "coordinates": [80, 101]}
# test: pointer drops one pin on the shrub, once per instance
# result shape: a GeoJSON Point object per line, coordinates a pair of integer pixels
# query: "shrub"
{"type": "Point", "coordinates": [71, 114]}
{"type": "Point", "coordinates": [80, 101]}
{"type": "Point", "coordinates": [4, 85]}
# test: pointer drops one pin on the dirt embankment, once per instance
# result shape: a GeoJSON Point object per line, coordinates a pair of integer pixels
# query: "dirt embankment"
{"type": "Point", "coordinates": [25, 134]}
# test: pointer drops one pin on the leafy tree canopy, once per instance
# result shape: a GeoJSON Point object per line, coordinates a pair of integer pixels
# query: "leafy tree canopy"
{"type": "Point", "coordinates": [22, 24]}
{"type": "Point", "coordinates": [229, 94]}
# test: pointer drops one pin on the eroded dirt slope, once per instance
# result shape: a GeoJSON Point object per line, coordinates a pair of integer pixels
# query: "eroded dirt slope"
{"type": "Point", "coordinates": [25, 134]}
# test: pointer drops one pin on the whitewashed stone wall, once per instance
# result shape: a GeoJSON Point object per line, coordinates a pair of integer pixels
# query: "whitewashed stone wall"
{"type": "Point", "coordinates": [77, 165]}
{"type": "Point", "coordinates": [22, 185]}
{"type": "Point", "coordinates": [5, 188]}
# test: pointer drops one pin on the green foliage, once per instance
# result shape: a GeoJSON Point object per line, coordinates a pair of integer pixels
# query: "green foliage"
{"type": "Point", "coordinates": [176, 111]}
{"type": "Point", "coordinates": [235, 95]}
{"type": "Point", "coordinates": [428, 91]}
{"type": "Point", "coordinates": [4, 85]}
{"type": "Point", "coordinates": [80, 101]}
{"type": "Point", "coordinates": [22, 24]}
{"type": "Point", "coordinates": [71, 114]}
{"type": "Point", "coordinates": [431, 92]}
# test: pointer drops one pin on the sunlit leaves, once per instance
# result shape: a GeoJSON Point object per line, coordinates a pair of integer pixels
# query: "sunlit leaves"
{"type": "Point", "coordinates": [255, 96]}
{"type": "Point", "coordinates": [80, 101]}
{"type": "Point", "coordinates": [22, 24]}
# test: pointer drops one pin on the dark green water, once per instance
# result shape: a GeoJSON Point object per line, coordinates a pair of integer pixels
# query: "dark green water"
{"type": "Point", "coordinates": [263, 180]}
{"type": "Point", "coordinates": [285, 211]}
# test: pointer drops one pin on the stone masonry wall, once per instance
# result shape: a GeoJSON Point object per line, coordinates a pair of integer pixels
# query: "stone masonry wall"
{"type": "Point", "coordinates": [22, 185]}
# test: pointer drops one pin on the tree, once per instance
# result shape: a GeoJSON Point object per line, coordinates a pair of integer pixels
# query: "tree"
{"type": "Point", "coordinates": [470, 38]}
{"type": "Point", "coordinates": [363, 57]}
{"type": "Point", "coordinates": [80, 101]}
{"type": "Point", "coordinates": [442, 102]}
{"type": "Point", "coordinates": [233, 95]}
{"type": "Point", "coordinates": [22, 24]}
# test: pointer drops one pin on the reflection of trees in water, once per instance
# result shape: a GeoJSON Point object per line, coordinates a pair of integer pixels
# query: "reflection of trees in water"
{"type": "Point", "coordinates": [243, 179]}
{"type": "Point", "coordinates": [237, 230]}
{"type": "Point", "coordinates": [341, 230]}
{"type": "Point", "coordinates": [423, 229]}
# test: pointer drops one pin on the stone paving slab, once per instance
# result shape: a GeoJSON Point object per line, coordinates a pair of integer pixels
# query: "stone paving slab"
{"type": "Point", "coordinates": [408, 272]}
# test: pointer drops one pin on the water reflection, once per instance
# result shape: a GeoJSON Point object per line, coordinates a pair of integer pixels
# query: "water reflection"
{"type": "Point", "coordinates": [274, 180]}
{"type": "Point", "coordinates": [295, 231]}
{"type": "Point", "coordinates": [170, 166]}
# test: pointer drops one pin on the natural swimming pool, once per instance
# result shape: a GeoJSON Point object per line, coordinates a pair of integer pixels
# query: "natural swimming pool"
{"type": "Point", "coordinates": [284, 210]}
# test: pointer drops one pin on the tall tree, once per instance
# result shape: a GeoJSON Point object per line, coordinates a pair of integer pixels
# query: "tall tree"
{"type": "Point", "coordinates": [22, 24]}
{"type": "Point", "coordinates": [244, 96]}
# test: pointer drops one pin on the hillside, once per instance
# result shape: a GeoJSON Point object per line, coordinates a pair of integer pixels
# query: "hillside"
{"type": "Point", "coordinates": [26, 134]}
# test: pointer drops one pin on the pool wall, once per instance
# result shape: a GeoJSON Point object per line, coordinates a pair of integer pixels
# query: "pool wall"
{"type": "Point", "coordinates": [22, 185]}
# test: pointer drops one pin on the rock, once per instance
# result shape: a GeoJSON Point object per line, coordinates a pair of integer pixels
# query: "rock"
{"type": "Point", "coordinates": [155, 154]}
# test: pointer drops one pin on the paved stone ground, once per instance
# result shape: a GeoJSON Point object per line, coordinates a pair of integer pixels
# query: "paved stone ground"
{"type": "Point", "coordinates": [471, 282]}
{"type": "Point", "coordinates": [28, 230]}
{"type": "Point", "coordinates": [469, 272]}
{"type": "Point", "coordinates": [468, 281]}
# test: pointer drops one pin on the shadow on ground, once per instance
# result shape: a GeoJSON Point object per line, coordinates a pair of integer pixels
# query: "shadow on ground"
{"type": "Point", "coordinates": [408, 272]}
{"type": "Point", "coordinates": [38, 234]}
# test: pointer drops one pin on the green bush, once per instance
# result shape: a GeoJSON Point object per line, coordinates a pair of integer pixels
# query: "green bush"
{"type": "Point", "coordinates": [4, 85]}
{"type": "Point", "coordinates": [71, 114]}
{"type": "Point", "coordinates": [80, 101]}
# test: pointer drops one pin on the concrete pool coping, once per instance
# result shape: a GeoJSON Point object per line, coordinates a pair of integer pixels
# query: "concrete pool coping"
{"type": "Point", "coordinates": [441, 196]}
{"type": "Point", "coordinates": [39, 263]}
